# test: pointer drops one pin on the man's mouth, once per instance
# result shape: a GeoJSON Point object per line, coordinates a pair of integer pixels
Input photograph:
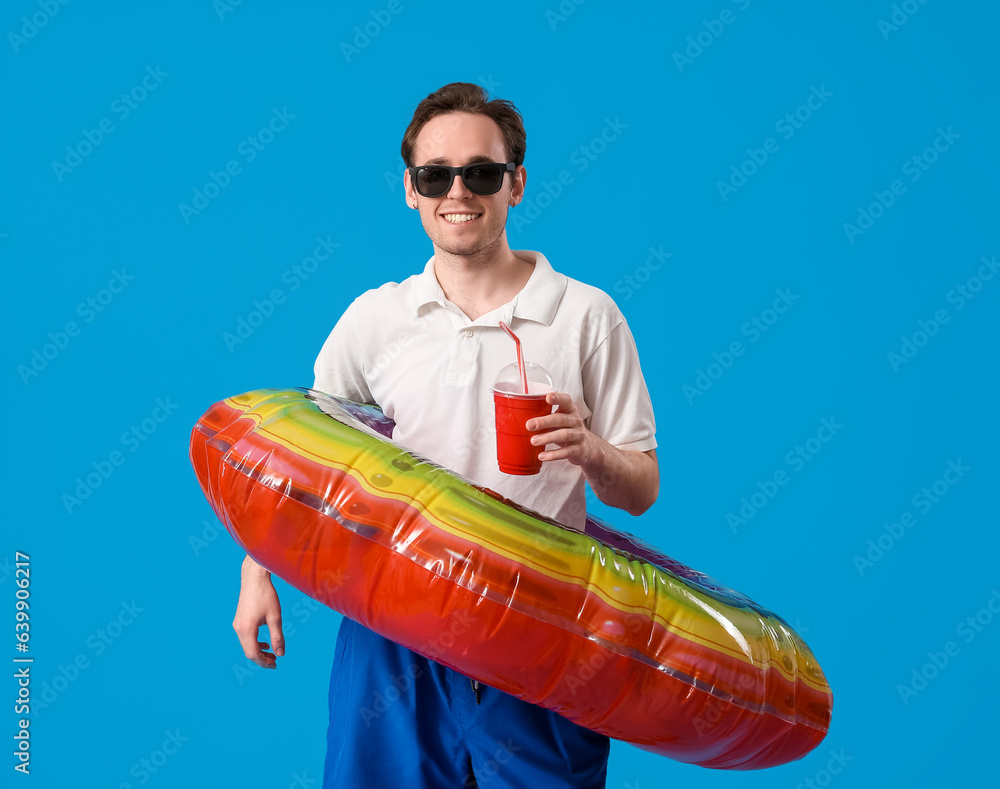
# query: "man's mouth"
{"type": "Point", "coordinates": [460, 219]}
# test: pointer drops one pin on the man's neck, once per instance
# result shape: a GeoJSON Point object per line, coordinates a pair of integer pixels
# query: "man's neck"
{"type": "Point", "coordinates": [478, 284]}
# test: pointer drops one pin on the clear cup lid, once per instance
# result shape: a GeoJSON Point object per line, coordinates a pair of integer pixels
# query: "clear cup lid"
{"type": "Point", "coordinates": [508, 380]}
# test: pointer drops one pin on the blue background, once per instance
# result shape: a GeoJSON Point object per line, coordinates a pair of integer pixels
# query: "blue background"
{"type": "Point", "coordinates": [146, 537]}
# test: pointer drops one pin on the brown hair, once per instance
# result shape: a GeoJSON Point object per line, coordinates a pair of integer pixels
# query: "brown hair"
{"type": "Point", "coordinates": [468, 97]}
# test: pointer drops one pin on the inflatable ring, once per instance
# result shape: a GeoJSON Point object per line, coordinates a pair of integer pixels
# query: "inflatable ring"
{"type": "Point", "coordinates": [596, 626]}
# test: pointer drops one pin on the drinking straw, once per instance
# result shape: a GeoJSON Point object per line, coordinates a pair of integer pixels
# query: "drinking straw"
{"type": "Point", "coordinates": [520, 356]}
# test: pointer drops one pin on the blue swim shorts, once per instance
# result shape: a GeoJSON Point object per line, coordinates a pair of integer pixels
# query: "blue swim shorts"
{"type": "Point", "coordinates": [398, 719]}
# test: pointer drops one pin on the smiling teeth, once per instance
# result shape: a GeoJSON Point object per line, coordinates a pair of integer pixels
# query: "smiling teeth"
{"type": "Point", "coordinates": [457, 219]}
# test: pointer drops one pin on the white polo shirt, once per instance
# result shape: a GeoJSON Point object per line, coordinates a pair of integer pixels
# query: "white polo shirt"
{"type": "Point", "coordinates": [407, 348]}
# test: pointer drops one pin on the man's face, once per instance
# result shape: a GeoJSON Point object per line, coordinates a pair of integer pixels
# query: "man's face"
{"type": "Point", "coordinates": [457, 139]}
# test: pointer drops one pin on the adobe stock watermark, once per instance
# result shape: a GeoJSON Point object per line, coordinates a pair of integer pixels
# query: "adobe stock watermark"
{"type": "Point", "coordinates": [210, 532]}
{"type": "Point", "coordinates": [459, 623]}
{"type": "Point", "coordinates": [640, 275]}
{"type": "Point", "coordinates": [924, 500]}
{"type": "Point", "coordinates": [753, 330]}
{"type": "Point", "coordinates": [87, 310]}
{"type": "Point", "coordinates": [397, 346]}
{"type": "Point", "coordinates": [97, 643]}
{"type": "Point", "coordinates": [911, 344]}
{"type": "Point", "coordinates": [224, 7]}
{"type": "Point", "coordinates": [293, 277]}
{"type": "Point", "coordinates": [6, 569]}
{"type": "Point", "coordinates": [491, 767]}
{"type": "Point", "coordinates": [561, 12]}
{"type": "Point", "coordinates": [796, 459]}
{"type": "Point", "coordinates": [937, 661]}
{"type": "Point", "coordinates": [370, 29]}
{"type": "Point", "coordinates": [31, 26]}
{"type": "Point", "coordinates": [249, 149]}
{"type": "Point", "coordinates": [576, 512]}
{"type": "Point", "coordinates": [302, 781]}
{"type": "Point", "coordinates": [824, 776]}
{"type": "Point", "coordinates": [531, 208]}
{"type": "Point", "coordinates": [481, 439]}
{"type": "Point", "coordinates": [122, 107]}
{"type": "Point", "coordinates": [711, 29]}
{"type": "Point", "coordinates": [383, 699]}
{"type": "Point", "coordinates": [914, 167]}
{"type": "Point", "coordinates": [586, 671]}
{"type": "Point", "coordinates": [787, 125]}
{"type": "Point", "coordinates": [152, 763]}
{"type": "Point", "coordinates": [606, 481]}
{"type": "Point", "coordinates": [104, 468]}
{"type": "Point", "coordinates": [706, 721]}
{"type": "Point", "coordinates": [901, 14]}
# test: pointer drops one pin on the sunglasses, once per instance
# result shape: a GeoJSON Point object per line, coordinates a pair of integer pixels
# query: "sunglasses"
{"type": "Point", "coordinates": [481, 178]}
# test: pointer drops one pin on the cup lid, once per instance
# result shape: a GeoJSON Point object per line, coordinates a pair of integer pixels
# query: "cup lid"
{"type": "Point", "coordinates": [508, 380]}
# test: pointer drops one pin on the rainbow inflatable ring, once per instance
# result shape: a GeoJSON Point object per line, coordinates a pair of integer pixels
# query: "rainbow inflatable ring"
{"type": "Point", "coordinates": [596, 626]}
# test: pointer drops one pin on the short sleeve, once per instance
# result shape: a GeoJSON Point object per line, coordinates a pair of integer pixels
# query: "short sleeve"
{"type": "Point", "coordinates": [339, 368]}
{"type": "Point", "coordinates": [615, 391]}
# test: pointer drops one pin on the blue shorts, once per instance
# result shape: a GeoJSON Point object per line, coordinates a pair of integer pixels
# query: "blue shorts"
{"type": "Point", "coordinates": [398, 719]}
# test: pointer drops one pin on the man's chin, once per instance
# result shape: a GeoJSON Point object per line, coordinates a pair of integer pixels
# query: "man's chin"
{"type": "Point", "coordinates": [462, 248]}
{"type": "Point", "coordinates": [465, 250]}
{"type": "Point", "coordinates": [470, 246]}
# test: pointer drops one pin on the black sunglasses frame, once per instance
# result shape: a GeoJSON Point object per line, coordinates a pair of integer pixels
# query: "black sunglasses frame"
{"type": "Point", "coordinates": [414, 173]}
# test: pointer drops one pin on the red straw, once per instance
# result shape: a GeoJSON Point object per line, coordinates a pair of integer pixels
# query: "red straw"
{"type": "Point", "coordinates": [520, 356]}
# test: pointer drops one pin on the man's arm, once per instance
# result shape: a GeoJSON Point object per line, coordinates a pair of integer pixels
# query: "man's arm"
{"type": "Point", "coordinates": [621, 478]}
{"type": "Point", "coordinates": [625, 479]}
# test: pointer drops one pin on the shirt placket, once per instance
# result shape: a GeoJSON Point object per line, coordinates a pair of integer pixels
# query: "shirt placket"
{"type": "Point", "coordinates": [465, 345]}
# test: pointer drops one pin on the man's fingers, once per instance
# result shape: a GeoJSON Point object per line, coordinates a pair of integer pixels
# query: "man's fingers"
{"type": "Point", "coordinates": [277, 636]}
{"type": "Point", "coordinates": [555, 454]}
{"type": "Point", "coordinates": [254, 650]}
{"type": "Point", "coordinates": [564, 436]}
{"type": "Point", "coordinates": [248, 640]}
{"type": "Point", "coordinates": [263, 658]}
{"type": "Point", "coordinates": [549, 422]}
{"type": "Point", "coordinates": [562, 400]}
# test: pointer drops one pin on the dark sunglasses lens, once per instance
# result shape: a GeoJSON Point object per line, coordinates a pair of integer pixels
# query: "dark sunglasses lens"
{"type": "Point", "coordinates": [484, 179]}
{"type": "Point", "coordinates": [433, 181]}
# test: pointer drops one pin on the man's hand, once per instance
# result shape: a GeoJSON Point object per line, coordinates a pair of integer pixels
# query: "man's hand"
{"type": "Point", "coordinates": [621, 478]}
{"type": "Point", "coordinates": [258, 605]}
{"type": "Point", "coordinates": [566, 429]}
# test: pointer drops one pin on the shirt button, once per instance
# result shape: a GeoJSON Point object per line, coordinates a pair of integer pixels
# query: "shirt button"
{"type": "Point", "coordinates": [467, 332]}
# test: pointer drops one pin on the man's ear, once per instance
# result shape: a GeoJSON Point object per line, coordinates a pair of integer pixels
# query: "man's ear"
{"type": "Point", "coordinates": [408, 191]}
{"type": "Point", "coordinates": [517, 192]}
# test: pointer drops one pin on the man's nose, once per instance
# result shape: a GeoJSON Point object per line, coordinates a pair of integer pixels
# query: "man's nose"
{"type": "Point", "coordinates": [458, 189]}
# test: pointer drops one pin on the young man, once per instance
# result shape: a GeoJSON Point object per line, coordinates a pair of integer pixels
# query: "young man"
{"type": "Point", "coordinates": [427, 350]}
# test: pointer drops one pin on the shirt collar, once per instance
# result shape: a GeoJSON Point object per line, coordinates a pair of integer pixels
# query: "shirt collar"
{"type": "Point", "coordinates": [537, 300]}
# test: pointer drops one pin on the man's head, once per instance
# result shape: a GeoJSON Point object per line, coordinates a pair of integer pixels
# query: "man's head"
{"type": "Point", "coordinates": [456, 126]}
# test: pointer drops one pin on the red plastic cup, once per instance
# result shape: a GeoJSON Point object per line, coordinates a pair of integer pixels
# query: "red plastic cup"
{"type": "Point", "coordinates": [515, 452]}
